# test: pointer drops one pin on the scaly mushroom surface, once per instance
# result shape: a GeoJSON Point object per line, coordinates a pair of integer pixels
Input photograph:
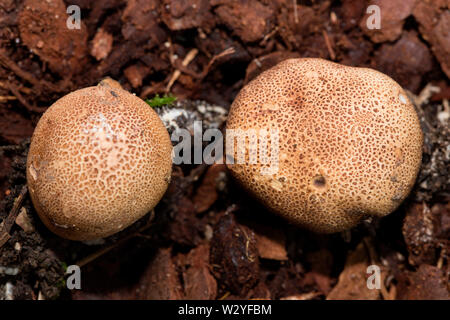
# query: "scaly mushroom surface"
{"type": "Point", "coordinates": [99, 159]}
{"type": "Point", "coordinates": [350, 142]}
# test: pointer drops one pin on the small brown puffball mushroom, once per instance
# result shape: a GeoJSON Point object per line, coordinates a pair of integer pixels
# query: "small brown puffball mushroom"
{"type": "Point", "coordinates": [350, 143]}
{"type": "Point", "coordinates": [99, 159]}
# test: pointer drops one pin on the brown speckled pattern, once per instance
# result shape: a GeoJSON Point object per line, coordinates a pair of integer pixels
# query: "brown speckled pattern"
{"type": "Point", "coordinates": [100, 159]}
{"type": "Point", "coordinates": [350, 142]}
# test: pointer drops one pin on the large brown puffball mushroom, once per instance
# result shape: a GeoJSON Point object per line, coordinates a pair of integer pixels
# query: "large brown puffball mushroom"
{"type": "Point", "coordinates": [350, 143]}
{"type": "Point", "coordinates": [99, 159]}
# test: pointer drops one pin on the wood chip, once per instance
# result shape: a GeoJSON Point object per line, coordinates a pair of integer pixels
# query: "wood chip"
{"type": "Point", "coordinates": [352, 284]}
{"type": "Point", "coordinates": [24, 221]}
{"type": "Point", "coordinates": [101, 44]}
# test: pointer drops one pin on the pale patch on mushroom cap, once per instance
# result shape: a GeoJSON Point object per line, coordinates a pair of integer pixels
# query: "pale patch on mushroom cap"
{"type": "Point", "coordinates": [350, 142]}
{"type": "Point", "coordinates": [100, 159]}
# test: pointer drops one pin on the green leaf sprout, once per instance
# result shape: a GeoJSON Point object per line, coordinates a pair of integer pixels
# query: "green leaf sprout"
{"type": "Point", "coordinates": [158, 101]}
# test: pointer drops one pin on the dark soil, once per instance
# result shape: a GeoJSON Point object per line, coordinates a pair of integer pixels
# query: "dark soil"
{"type": "Point", "coordinates": [207, 239]}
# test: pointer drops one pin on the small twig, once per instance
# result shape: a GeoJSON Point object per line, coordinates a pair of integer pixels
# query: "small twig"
{"type": "Point", "coordinates": [225, 295]}
{"type": "Point", "coordinates": [206, 70]}
{"type": "Point", "coordinates": [303, 296]}
{"type": "Point", "coordinates": [295, 11]}
{"type": "Point", "coordinates": [268, 36]}
{"type": "Point", "coordinates": [23, 101]}
{"type": "Point", "coordinates": [392, 292]}
{"type": "Point", "coordinates": [374, 260]}
{"type": "Point", "coordinates": [21, 89]}
{"type": "Point", "coordinates": [11, 218]}
{"type": "Point", "coordinates": [371, 250]}
{"type": "Point", "coordinates": [232, 208]}
{"type": "Point", "coordinates": [7, 98]}
{"type": "Point", "coordinates": [105, 250]}
{"type": "Point", "coordinates": [10, 64]}
{"type": "Point", "coordinates": [247, 245]}
{"type": "Point", "coordinates": [155, 88]}
{"type": "Point", "coordinates": [99, 253]}
{"type": "Point", "coordinates": [426, 94]}
{"type": "Point", "coordinates": [329, 46]}
{"type": "Point", "coordinates": [187, 59]}
{"type": "Point", "coordinates": [224, 53]}
{"type": "Point", "coordinates": [333, 18]}
{"type": "Point", "coordinates": [440, 261]}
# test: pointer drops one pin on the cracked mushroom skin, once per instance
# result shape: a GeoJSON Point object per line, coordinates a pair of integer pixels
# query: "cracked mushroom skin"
{"type": "Point", "coordinates": [99, 159]}
{"type": "Point", "coordinates": [350, 142]}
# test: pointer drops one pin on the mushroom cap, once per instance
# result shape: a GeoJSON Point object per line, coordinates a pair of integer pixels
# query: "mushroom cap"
{"type": "Point", "coordinates": [99, 159]}
{"type": "Point", "coordinates": [350, 142]}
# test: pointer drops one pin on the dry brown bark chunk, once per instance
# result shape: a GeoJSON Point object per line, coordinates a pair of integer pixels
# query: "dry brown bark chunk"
{"type": "Point", "coordinates": [351, 12]}
{"type": "Point", "coordinates": [43, 29]}
{"type": "Point", "coordinates": [206, 193]}
{"type": "Point", "coordinates": [185, 14]}
{"type": "Point", "coordinates": [270, 242]}
{"type": "Point", "coordinates": [321, 263]}
{"type": "Point", "coordinates": [14, 127]}
{"type": "Point", "coordinates": [101, 44]}
{"type": "Point", "coordinates": [136, 73]}
{"type": "Point", "coordinates": [427, 283]}
{"type": "Point", "coordinates": [397, 61]}
{"type": "Point", "coordinates": [160, 279]}
{"type": "Point", "coordinates": [419, 230]}
{"type": "Point", "coordinates": [393, 15]}
{"type": "Point", "coordinates": [249, 20]}
{"type": "Point", "coordinates": [199, 284]}
{"type": "Point", "coordinates": [434, 22]}
{"type": "Point", "coordinates": [352, 284]}
{"type": "Point", "coordinates": [140, 22]}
